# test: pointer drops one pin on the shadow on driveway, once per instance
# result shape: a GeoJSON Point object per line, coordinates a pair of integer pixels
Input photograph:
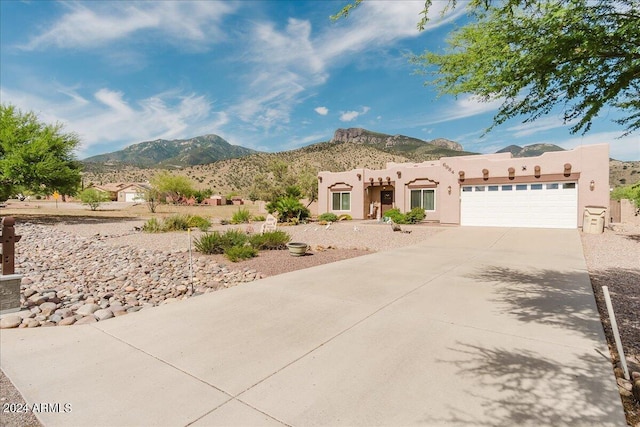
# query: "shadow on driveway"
{"type": "Point", "coordinates": [548, 297]}
{"type": "Point", "coordinates": [529, 389]}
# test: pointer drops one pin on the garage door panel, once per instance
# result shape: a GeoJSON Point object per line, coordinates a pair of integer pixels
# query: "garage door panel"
{"type": "Point", "coordinates": [530, 207]}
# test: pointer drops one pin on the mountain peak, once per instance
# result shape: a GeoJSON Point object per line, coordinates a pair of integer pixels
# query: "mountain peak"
{"type": "Point", "coordinates": [531, 150]}
{"type": "Point", "coordinates": [394, 142]}
{"type": "Point", "coordinates": [177, 152]}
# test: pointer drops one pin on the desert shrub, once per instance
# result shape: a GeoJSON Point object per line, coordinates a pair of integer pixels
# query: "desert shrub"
{"type": "Point", "coordinates": [259, 218]}
{"type": "Point", "coordinates": [288, 208]}
{"type": "Point", "coordinates": [415, 215]}
{"type": "Point", "coordinates": [175, 223]}
{"type": "Point", "coordinates": [345, 217]}
{"type": "Point", "coordinates": [93, 198]}
{"type": "Point", "coordinates": [241, 216]}
{"type": "Point", "coordinates": [201, 195]}
{"type": "Point", "coordinates": [152, 226]}
{"type": "Point", "coordinates": [270, 240]}
{"type": "Point", "coordinates": [236, 253]}
{"type": "Point", "coordinates": [396, 216]}
{"type": "Point", "coordinates": [631, 192]}
{"type": "Point", "coordinates": [328, 216]}
{"type": "Point", "coordinates": [210, 243]}
{"type": "Point", "coordinates": [234, 237]}
{"type": "Point", "coordinates": [197, 221]}
{"type": "Point", "coordinates": [217, 243]}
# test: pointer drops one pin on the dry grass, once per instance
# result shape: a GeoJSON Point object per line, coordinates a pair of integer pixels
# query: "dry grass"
{"type": "Point", "coordinates": [119, 210]}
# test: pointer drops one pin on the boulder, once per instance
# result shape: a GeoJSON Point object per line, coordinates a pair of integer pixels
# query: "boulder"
{"type": "Point", "coordinates": [11, 321]}
{"type": "Point", "coordinates": [103, 314]}
{"type": "Point", "coordinates": [88, 309]}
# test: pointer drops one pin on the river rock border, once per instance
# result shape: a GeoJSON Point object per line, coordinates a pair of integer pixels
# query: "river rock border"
{"type": "Point", "coordinates": [74, 280]}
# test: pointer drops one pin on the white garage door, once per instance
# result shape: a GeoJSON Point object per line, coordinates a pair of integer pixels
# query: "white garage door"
{"type": "Point", "coordinates": [133, 197]}
{"type": "Point", "coordinates": [539, 205]}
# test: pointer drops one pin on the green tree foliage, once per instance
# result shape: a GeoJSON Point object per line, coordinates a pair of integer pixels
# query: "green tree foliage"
{"type": "Point", "coordinates": [631, 192]}
{"type": "Point", "coordinates": [282, 181]}
{"type": "Point", "coordinates": [536, 55]}
{"type": "Point", "coordinates": [93, 198]}
{"type": "Point", "coordinates": [176, 187]}
{"type": "Point", "coordinates": [35, 156]}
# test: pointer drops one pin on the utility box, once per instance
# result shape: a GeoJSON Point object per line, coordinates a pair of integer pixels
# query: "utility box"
{"type": "Point", "coordinates": [10, 293]}
{"type": "Point", "coordinates": [594, 219]}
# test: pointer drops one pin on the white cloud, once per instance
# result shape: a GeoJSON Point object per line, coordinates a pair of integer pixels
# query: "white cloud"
{"type": "Point", "coordinates": [539, 125]}
{"type": "Point", "coordinates": [349, 116]}
{"type": "Point", "coordinates": [110, 118]}
{"type": "Point", "coordinates": [323, 111]}
{"type": "Point", "coordinates": [380, 23]}
{"type": "Point", "coordinates": [91, 24]}
{"type": "Point", "coordinates": [464, 107]}
{"type": "Point", "coordinates": [305, 56]}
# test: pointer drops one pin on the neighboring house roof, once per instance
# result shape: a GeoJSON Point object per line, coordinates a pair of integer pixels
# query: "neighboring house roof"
{"type": "Point", "coordinates": [111, 187]}
{"type": "Point", "coordinates": [135, 186]}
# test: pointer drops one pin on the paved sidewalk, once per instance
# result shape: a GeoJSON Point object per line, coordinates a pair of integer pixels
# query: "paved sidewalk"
{"type": "Point", "coordinates": [476, 326]}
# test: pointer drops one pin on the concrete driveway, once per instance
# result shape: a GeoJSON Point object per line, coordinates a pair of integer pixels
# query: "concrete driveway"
{"type": "Point", "coordinates": [476, 326]}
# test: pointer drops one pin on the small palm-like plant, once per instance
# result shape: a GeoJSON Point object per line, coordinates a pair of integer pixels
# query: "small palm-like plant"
{"type": "Point", "coordinates": [289, 208]}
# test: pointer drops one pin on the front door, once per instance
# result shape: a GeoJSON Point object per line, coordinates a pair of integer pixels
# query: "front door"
{"type": "Point", "coordinates": [386, 200]}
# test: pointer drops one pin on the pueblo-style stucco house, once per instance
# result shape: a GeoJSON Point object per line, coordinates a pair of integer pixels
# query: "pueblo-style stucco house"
{"type": "Point", "coordinates": [549, 191]}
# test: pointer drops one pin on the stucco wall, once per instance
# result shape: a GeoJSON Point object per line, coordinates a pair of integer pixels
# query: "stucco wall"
{"type": "Point", "coordinates": [588, 164]}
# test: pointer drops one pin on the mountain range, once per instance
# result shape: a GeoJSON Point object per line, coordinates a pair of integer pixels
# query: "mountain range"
{"type": "Point", "coordinates": [175, 153]}
{"type": "Point", "coordinates": [348, 149]}
{"type": "Point", "coordinates": [206, 149]}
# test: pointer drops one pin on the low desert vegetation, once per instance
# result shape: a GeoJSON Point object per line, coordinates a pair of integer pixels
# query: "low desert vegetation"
{"type": "Point", "coordinates": [176, 223]}
{"type": "Point", "coordinates": [241, 216]}
{"type": "Point", "coordinates": [236, 245]}
{"type": "Point", "coordinates": [414, 216]}
{"type": "Point", "coordinates": [93, 198]}
{"type": "Point", "coordinates": [289, 209]}
{"type": "Point", "coordinates": [328, 217]}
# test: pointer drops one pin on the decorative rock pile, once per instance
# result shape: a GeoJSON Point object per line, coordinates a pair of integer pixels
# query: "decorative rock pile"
{"type": "Point", "coordinates": [625, 387]}
{"type": "Point", "coordinates": [72, 280]}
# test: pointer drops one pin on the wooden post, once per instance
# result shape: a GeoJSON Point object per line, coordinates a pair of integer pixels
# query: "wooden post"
{"type": "Point", "coordinates": [8, 238]}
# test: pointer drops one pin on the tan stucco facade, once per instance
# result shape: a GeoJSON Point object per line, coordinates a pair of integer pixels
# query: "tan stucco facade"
{"type": "Point", "coordinates": [371, 192]}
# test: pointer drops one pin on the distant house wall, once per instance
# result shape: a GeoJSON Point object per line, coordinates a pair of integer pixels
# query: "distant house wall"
{"type": "Point", "coordinates": [132, 192]}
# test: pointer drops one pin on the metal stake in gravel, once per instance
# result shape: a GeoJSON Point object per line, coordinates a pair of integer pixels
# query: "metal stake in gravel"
{"type": "Point", "coordinates": [616, 334]}
{"type": "Point", "coordinates": [190, 261]}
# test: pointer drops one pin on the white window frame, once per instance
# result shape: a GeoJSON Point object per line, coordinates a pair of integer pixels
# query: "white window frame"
{"type": "Point", "coordinates": [422, 190]}
{"type": "Point", "coordinates": [341, 193]}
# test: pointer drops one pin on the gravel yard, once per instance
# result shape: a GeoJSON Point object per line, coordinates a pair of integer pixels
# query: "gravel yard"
{"type": "Point", "coordinates": [613, 259]}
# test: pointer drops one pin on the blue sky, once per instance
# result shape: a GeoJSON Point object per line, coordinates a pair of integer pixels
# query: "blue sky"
{"type": "Point", "coordinates": [268, 75]}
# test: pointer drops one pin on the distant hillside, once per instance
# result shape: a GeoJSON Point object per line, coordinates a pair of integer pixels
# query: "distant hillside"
{"type": "Point", "coordinates": [412, 148]}
{"type": "Point", "coordinates": [237, 174]}
{"type": "Point", "coordinates": [623, 173]}
{"type": "Point", "coordinates": [175, 153]}
{"type": "Point", "coordinates": [532, 150]}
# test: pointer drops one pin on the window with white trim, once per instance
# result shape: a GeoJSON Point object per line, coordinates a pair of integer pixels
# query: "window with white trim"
{"type": "Point", "coordinates": [424, 198]}
{"type": "Point", "coordinates": [341, 201]}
